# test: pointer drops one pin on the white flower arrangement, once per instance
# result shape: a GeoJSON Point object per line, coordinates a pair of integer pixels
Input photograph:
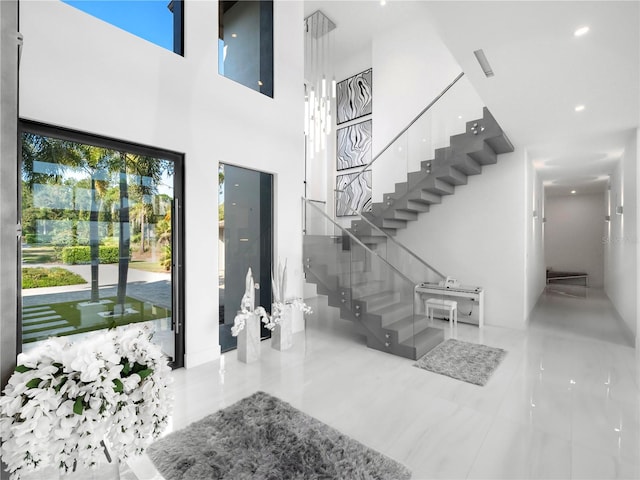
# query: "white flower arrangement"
{"type": "Point", "coordinates": [64, 399]}
{"type": "Point", "coordinates": [278, 307]}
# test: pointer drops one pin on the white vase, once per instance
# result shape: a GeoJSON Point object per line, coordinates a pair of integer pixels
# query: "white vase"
{"type": "Point", "coordinates": [282, 334]}
{"type": "Point", "coordinates": [249, 340]}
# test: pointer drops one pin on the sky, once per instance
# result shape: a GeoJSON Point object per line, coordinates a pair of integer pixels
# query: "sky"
{"type": "Point", "coordinates": [149, 19]}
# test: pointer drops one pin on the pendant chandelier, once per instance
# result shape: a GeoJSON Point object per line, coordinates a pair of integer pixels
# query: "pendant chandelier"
{"type": "Point", "coordinates": [320, 82]}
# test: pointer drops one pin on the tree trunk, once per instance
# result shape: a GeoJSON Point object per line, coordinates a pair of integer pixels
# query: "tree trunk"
{"type": "Point", "coordinates": [142, 230]}
{"type": "Point", "coordinates": [94, 243]}
{"type": "Point", "coordinates": [124, 238]}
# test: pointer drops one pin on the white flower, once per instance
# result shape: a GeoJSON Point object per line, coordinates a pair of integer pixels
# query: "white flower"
{"type": "Point", "coordinates": [64, 399]}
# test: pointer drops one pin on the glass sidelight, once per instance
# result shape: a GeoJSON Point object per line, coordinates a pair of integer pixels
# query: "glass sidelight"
{"type": "Point", "coordinates": [245, 219]}
{"type": "Point", "coordinates": [100, 237]}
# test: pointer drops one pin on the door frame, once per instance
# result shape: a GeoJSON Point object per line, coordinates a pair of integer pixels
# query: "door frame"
{"type": "Point", "coordinates": [178, 267]}
{"type": "Point", "coordinates": [265, 333]}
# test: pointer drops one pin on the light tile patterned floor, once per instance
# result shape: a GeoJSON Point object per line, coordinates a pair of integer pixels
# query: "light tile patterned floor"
{"type": "Point", "coordinates": [563, 404]}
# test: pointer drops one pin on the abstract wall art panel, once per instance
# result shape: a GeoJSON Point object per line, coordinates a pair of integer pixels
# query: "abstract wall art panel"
{"type": "Point", "coordinates": [356, 196]}
{"type": "Point", "coordinates": [354, 145]}
{"type": "Point", "coordinates": [354, 96]}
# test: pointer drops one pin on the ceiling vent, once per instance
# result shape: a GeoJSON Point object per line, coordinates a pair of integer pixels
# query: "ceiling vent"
{"type": "Point", "coordinates": [484, 63]}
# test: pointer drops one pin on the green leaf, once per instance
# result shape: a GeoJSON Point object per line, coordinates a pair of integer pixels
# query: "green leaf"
{"type": "Point", "coordinates": [63, 380]}
{"type": "Point", "coordinates": [78, 406]}
{"type": "Point", "coordinates": [145, 373]}
{"type": "Point", "coordinates": [34, 382]}
{"type": "Point", "coordinates": [138, 367]}
{"type": "Point", "coordinates": [126, 369]}
{"type": "Point", "coordinates": [118, 386]}
{"type": "Point", "coordinates": [23, 369]}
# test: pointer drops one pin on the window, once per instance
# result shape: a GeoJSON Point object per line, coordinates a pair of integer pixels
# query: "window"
{"type": "Point", "coordinates": [245, 44]}
{"type": "Point", "coordinates": [245, 227]}
{"type": "Point", "coordinates": [100, 237]}
{"type": "Point", "coordinates": [158, 21]}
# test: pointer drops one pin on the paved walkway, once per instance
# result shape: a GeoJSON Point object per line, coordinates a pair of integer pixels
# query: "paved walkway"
{"type": "Point", "coordinates": [146, 286]}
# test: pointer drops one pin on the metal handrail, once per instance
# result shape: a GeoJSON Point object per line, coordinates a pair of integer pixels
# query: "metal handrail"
{"type": "Point", "coordinates": [393, 240]}
{"type": "Point", "coordinates": [357, 240]}
{"type": "Point", "coordinates": [402, 132]}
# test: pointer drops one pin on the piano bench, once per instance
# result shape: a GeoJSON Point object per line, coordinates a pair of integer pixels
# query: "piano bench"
{"type": "Point", "coordinates": [451, 305]}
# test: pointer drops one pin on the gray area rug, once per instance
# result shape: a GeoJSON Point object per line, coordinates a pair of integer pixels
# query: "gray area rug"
{"type": "Point", "coordinates": [465, 361]}
{"type": "Point", "coordinates": [262, 437]}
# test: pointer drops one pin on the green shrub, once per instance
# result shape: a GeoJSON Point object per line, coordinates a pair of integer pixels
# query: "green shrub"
{"type": "Point", "coordinates": [30, 238]}
{"type": "Point", "coordinates": [165, 257]}
{"type": "Point", "coordinates": [82, 254]}
{"type": "Point", "coordinates": [35, 277]}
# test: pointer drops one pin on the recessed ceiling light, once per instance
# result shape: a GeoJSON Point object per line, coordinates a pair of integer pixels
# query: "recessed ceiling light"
{"type": "Point", "coordinates": [579, 108]}
{"type": "Point", "coordinates": [234, 35]}
{"type": "Point", "coordinates": [573, 192]}
{"type": "Point", "coordinates": [581, 31]}
{"type": "Point", "coordinates": [383, 2]}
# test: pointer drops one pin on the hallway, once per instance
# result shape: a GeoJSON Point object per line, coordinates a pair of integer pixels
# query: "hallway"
{"type": "Point", "coordinates": [563, 404]}
{"type": "Point", "coordinates": [581, 313]}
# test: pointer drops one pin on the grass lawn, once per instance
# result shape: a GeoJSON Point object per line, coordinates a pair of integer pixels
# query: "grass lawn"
{"type": "Point", "coordinates": [146, 266]}
{"type": "Point", "coordinates": [68, 318]}
{"type": "Point", "coordinates": [36, 277]}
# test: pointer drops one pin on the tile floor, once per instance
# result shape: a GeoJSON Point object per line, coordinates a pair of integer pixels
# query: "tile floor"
{"type": "Point", "coordinates": [563, 404]}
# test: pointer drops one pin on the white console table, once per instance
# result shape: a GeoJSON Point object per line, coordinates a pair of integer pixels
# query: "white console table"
{"type": "Point", "coordinates": [475, 295]}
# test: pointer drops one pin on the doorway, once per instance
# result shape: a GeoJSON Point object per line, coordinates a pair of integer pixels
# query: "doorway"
{"type": "Point", "coordinates": [101, 243]}
{"type": "Point", "coordinates": [245, 226]}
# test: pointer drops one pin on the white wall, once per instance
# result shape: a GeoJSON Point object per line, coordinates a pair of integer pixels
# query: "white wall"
{"type": "Point", "coordinates": [574, 234]}
{"type": "Point", "coordinates": [534, 238]}
{"type": "Point", "coordinates": [476, 236]}
{"type": "Point", "coordinates": [411, 66]}
{"type": "Point", "coordinates": [82, 73]}
{"type": "Point", "coordinates": [621, 238]}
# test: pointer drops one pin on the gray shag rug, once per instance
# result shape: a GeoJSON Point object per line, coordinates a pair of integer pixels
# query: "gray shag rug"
{"type": "Point", "coordinates": [465, 361]}
{"type": "Point", "coordinates": [262, 437]}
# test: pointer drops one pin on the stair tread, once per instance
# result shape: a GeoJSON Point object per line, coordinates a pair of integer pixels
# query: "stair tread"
{"type": "Point", "coordinates": [403, 322]}
{"type": "Point", "coordinates": [392, 308]}
{"type": "Point", "coordinates": [422, 337]}
{"type": "Point", "coordinates": [377, 296]}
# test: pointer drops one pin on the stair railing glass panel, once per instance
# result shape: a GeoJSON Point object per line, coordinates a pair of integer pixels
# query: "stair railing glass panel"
{"type": "Point", "coordinates": [413, 153]}
{"type": "Point", "coordinates": [365, 287]}
{"type": "Point", "coordinates": [393, 251]}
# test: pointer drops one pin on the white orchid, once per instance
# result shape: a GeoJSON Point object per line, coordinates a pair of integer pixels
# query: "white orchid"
{"type": "Point", "coordinates": [64, 399]}
{"type": "Point", "coordinates": [278, 307]}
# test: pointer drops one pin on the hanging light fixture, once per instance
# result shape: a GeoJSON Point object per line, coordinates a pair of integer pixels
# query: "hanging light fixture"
{"type": "Point", "coordinates": [319, 81]}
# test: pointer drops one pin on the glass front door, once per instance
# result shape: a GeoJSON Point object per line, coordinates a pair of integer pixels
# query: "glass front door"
{"type": "Point", "coordinates": [100, 223]}
{"type": "Point", "coordinates": [245, 241]}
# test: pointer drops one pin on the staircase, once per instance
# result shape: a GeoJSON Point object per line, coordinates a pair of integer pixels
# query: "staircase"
{"type": "Point", "coordinates": [383, 308]}
{"type": "Point", "coordinates": [366, 273]}
{"type": "Point", "coordinates": [480, 145]}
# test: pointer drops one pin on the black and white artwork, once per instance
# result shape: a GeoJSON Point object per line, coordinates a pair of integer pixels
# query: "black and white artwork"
{"type": "Point", "coordinates": [354, 145]}
{"type": "Point", "coordinates": [354, 96]}
{"type": "Point", "coordinates": [354, 193]}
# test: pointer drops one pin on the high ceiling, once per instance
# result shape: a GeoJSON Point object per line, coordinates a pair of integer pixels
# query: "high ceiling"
{"type": "Point", "coordinates": [542, 72]}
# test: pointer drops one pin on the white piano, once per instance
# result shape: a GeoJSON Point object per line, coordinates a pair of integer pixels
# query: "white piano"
{"type": "Point", "coordinates": [470, 300]}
